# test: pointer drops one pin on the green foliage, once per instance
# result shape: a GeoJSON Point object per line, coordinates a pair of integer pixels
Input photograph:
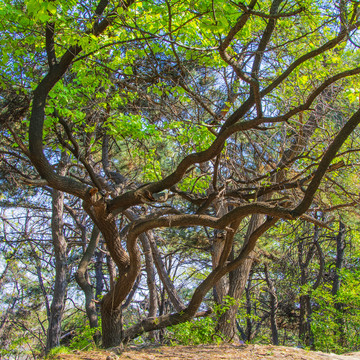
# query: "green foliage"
{"type": "Point", "coordinates": [336, 327]}
{"type": "Point", "coordinates": [84, 338]}
{"type": "Point", "coordinates": [228, 301]}
{"type": "Point", "coordinates": [201, 330]}
{"type": "Point", "coordinates": [195, 332]}
{"type": "Point", "coordinates": [57, 351]}
{"type": "Point", "coordinates": [18, 347]}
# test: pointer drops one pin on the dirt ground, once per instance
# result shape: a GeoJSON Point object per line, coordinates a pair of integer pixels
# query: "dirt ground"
{"type": "Point", "coordinates": [208, 352]}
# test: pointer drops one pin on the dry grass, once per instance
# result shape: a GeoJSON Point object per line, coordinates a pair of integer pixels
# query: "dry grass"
{"type": "Point", "coordinates": [208, 352]}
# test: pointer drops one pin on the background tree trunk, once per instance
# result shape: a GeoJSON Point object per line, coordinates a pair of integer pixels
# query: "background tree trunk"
{"type": "Point", "coordinates": [82, 278]}
{"type": "Point", "coordinates": [60, 249]}
{"type": "Point", "coordinates": [273, 307]}
{"type": "Point", "coordinates": [237, 281]}
{"type": "Point", "coordinates": [61, 267]}
{"type": "Point", "coordinates": [340, 252]}
{"type": "Point", "coordinates": [99, 277]}
{"type": "Point", "coordinates": [150, 279]}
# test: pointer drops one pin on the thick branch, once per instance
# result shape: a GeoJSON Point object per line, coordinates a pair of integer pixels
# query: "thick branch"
{"type": "Point", "coordinates": [38, 115]}
{"type": "Point", "coordinates": [246, 106]}
{"type": "Point", "coordinates": [270, 27]}
{"type": "Point", "coordinates": [270, 16]}
{"type": "Point", "coordinates": [327, 46]}
{"type": "Point", "coordinates": [164, 277]}
{"type": "Point", "coordinates": [199, 294]}
{"type": "Point", "coordinates": [329, 155]}
{"type": "Point", "coordinates": [238, 26]}
{"type": "Point", "coordinates": [50, 46]}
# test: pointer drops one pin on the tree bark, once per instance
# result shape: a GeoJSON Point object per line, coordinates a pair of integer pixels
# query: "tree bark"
{"type": "Point", "coordinates": [227, 321]}
{"type": "Point", "coordinates": [249, 327]}
{"type": "Point", "coordinates": [111, 320]}
{"type": "Point", "coordinates": [340, 252]}
{"type": "Point", "coordinates": [305, 335]}
{"type": "Point", "coordinates": [273, 307]}
{"type": "Point", "coordinates": [163, 275]}
{"type": "Point", "coordinates": [128, 264]}
{"type": "Point", "coordinates": [41, 281]}
{"type": "Point", "coordinates": [99, 276]}
{"type": "Point", "coordinates": [150, 279]}
{"type": "Point", "coordinates": [82, 278]}
{"type": "Point", "coordinates": [222, 286]}
{"type": "Point", "coordinates": [60, 249]}
{"type": "Point", "coordinates": [237, 282]}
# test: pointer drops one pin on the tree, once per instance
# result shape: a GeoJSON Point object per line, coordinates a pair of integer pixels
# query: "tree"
{"type": "Point", "coordinates": [181, 106]}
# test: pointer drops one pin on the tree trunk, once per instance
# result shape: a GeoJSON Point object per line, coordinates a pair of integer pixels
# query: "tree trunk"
{"type": "Point", "coordinates": [340, 250]}
{"type": "Point", "coordinates": [222, 286]}
{"type": "Point", "coordinates": [227, 321]}
{"type": "Point", "coordinates": [273, 307]}
{"type": "Point", "coordinates": [60, 249]}
{"type": "Point", "coordinates": [237, 282]}
{"type": "Point", "coordinates": [302, 320]}
{"type": "Point", "coordinates": [99, 277]}
{"type": "Point", "coordinates": [40, 280]}
{"type": "Point", "coordinates": [111, 323]}
{"type": "Point", "coordinates": [111, 270]}
{"type": "Point", "coordinates": [305, 334]}
{"type": "Point", "coordinates": [249, 329]}
{"type": "Point", "coordinates": [150, 279]}
{"type": "Point", "coordinates": [82, 278]}
{"type": "Point", "coordinates": [163, 275]}
{"type": "Point", "coordinates": [128, 264]}
{"type": "Point", "coordinates": [273, 322]}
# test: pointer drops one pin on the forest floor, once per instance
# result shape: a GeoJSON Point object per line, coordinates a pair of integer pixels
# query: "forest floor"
{"type": "Point", "coordinates": [208, 352]}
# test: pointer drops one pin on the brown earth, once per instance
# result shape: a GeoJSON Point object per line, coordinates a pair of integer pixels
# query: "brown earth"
{"type": "Point", "coordinates": [208, 352]}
